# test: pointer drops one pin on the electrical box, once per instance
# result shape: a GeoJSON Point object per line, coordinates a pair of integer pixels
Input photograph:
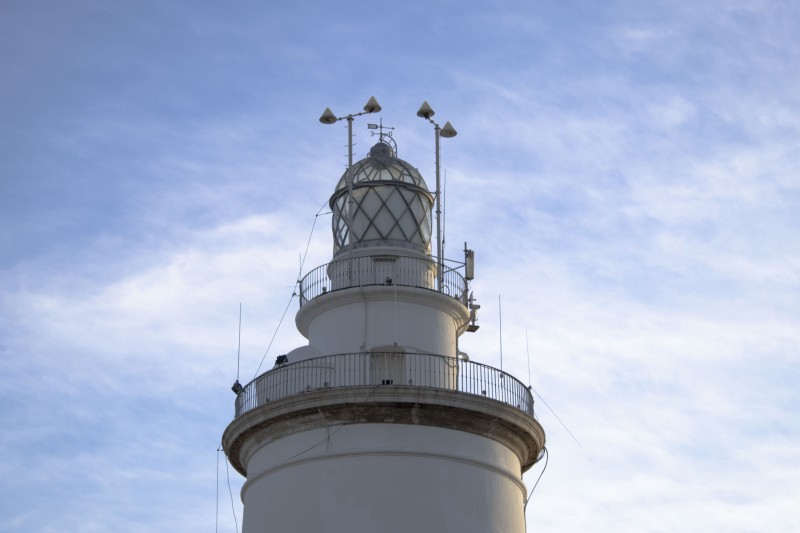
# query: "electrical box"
{"type": "Point", "coordinates": [469, 262]}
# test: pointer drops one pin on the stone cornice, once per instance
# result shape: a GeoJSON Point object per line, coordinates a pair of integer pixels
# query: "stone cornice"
{"type": "Point", "coordinates": [391, 404]}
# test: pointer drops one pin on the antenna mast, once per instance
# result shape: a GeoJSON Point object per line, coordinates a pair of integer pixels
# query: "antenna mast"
{"type": "Point", "coordinates": [237, 387]}
{"type": "Point", "coordinates": [500, 304]}
{"type": "Point", "coordinates": [239, 344]}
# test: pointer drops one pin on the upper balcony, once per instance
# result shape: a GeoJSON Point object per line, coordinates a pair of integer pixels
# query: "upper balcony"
{"type": "Point", "coordinates": [384, 269]}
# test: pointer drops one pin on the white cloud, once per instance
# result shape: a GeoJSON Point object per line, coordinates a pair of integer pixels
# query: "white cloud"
{"type": "Point", "coordinates": [631, 193]}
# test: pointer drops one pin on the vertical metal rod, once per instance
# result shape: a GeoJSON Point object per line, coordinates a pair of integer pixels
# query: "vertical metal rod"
{"type": "Point", "coordinates": [349, 141]}
{"type": "Point", "coordinates": [528, 350]}
{"type": "Point", "coordinates": [350, 201]}
{"type": "Point", "coordinates": [500, 305]}
{"type": "Point", "coordinates": [440, 261]}
{"type": "Point", "coordinates": [239, 346]}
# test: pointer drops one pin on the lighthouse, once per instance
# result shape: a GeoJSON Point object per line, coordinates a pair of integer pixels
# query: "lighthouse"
{"type": "Point", "coordinates": [380, 423]}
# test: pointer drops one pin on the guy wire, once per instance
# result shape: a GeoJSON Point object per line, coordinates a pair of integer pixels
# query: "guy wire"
{"type": "Point", "coordinates": [294, 287]}
{"type": "Point", "coordinates": [557, 418]}
{"type": "Point", "coordinates": [233, 509]}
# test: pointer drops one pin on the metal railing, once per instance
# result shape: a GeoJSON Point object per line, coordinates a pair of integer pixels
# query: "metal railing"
{"type": "Point", "coordinates": [403, 271]}
{"type": "Point", "coordinates": [384, 369]}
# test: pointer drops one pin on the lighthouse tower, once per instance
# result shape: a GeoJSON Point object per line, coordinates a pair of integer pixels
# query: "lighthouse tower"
{"type": "Point", "coordinates": [380, 424]}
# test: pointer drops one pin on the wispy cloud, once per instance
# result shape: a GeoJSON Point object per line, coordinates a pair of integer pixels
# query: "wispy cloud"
{"type": "Point", "coordinates": [627, 177]}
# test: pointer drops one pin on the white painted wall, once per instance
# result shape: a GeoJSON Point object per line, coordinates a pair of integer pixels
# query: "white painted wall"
{"type": "Point", "coordinates": [387, 478]}
{"type": "Point", "coordinates": [363, 318]}
{"type": "Point", "coordinates": [383, 477]}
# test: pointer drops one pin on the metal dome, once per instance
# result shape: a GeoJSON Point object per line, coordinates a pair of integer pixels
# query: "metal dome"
{"type": "Point", "coordinates": [390, 204]}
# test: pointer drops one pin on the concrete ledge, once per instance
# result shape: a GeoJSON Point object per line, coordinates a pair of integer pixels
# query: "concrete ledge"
{"type": "Point", "coordinates": [395, 404]}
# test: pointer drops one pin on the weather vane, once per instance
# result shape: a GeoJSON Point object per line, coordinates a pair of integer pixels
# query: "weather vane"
{"type": "Point", "coordinates": [384, 136]}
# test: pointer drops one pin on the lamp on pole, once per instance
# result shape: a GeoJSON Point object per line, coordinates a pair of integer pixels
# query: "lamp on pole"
{"type": "Point", "coordinates": [328, 117]}
{"type": "Point", "coordinates": [445, 131]}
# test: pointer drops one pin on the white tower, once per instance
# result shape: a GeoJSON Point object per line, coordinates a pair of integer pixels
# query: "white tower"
{"type": "Point", "coordinates": [380, 424]}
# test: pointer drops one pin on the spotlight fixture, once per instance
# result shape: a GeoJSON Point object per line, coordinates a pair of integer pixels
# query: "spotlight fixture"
{"type": "Point", "coordinates": [448, 131]}
{"type": "Point", "coordinates": [372, 106]}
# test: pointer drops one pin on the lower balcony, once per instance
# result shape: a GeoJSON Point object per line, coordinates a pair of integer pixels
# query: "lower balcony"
{"type": "Point", "coordinates": [384, 370]}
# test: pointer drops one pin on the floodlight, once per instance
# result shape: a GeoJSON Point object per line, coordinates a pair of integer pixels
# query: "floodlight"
{"type": "Point", "coordinates": [372, 105]}
{"type": "Point", "coordinates": [328, 117]}
{"type": "Point", "coordinates": [425, 110]}
{"type": "Point", "coordinates": [448, 130]}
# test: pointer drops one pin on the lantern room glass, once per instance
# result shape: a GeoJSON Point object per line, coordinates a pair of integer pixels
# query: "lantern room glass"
{"type": "Point", "coordinates": [390, 201]}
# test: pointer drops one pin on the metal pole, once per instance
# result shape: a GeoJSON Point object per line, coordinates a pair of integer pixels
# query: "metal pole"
{"type": "Point", "coordinates": [349, 141]}
{"type": "Point", "coordinates": [350, 200]}
{"type": "Point", "coordinates": [440, 260]}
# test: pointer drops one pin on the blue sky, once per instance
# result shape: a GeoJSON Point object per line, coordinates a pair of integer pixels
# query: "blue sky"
{"type": "Point", "coordinates": [626, 172]}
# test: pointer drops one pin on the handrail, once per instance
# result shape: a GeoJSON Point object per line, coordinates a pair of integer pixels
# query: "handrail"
{"type": "Point", "coordinates": [400, 270]}
{"type": "Point", "coordinates": [361, 369]}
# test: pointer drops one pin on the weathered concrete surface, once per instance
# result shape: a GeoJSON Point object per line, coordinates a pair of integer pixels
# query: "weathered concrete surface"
{"type": "Point", "coordinates": [388, 404]}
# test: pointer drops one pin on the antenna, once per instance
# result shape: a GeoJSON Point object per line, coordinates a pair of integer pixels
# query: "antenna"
{"type": "Point", "coordinates": [237, 387]}
{"type": "Point", "coordinates": [444, 211]}
{"type": "Point", "coordinates": [528, 350]}
{"type": "Point", "coordinates": [239, 345]}
{"type": "Point", "coordinates": [500, 304]}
